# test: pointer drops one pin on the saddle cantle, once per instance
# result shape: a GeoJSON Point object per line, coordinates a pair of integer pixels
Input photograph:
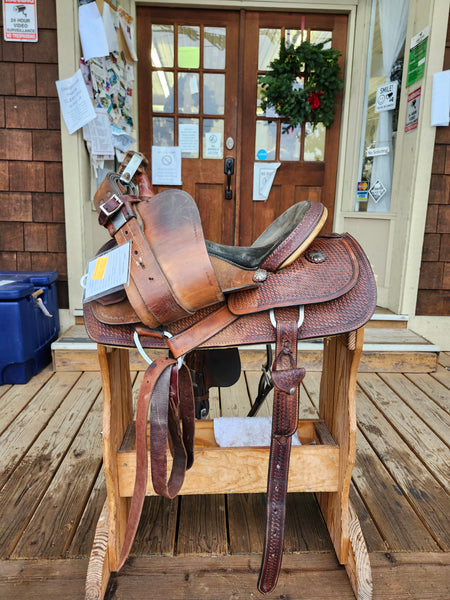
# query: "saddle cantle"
{"type": "Point", "coordinates": [187, 294]}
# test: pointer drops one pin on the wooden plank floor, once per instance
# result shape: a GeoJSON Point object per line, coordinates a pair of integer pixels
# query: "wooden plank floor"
{"type": "Point", "coordinates": [207, 547]}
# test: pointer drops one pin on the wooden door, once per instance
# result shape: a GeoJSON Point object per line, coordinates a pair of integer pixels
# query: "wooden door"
{"type": "Point", "coordinates": [188, 88]}
{"type": "Point", "coordinates": [308, 158]}
{"type": "Point", "coordinates": [197, 74]}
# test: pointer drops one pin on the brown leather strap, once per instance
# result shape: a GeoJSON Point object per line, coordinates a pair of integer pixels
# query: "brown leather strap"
{"type": "Point", "coordinates": [286, 377]}
{"type": "Point", "coordinates": [182, 343]}
{"type": "Point", "coordinates": [162, 384]}
{"type": "Point", "coordinates": [166, 415]}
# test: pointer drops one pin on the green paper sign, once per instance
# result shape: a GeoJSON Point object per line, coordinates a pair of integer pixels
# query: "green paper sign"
{"type": "Point", "coordinates": [417, 57]}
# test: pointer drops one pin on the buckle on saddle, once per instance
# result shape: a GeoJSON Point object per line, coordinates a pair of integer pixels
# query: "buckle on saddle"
{"type": "Point", "coordinates": [111, 214]}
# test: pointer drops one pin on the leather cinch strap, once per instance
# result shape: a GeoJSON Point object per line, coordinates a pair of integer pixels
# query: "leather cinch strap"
{"type": "Point", "coordinates": [286, 377]}
{"type": "Point", "coordinates": [172, 405]}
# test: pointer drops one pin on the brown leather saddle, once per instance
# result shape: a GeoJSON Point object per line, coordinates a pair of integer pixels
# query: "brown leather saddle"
{"type": "Point", "coordinates": [200, 300]}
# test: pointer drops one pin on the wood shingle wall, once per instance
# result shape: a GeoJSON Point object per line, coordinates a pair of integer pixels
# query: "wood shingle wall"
{"type": "Point", "coordinates": [32, 230]}
{"type": "Point", "coordinates": [434, 284]}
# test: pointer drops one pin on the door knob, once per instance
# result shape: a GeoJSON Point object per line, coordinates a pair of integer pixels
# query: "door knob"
{"type": "Point", "coordinates": [229, 170]}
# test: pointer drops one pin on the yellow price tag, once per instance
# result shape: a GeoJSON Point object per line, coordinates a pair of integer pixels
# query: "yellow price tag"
{"type": "Point", "coordinates": [100, 267]}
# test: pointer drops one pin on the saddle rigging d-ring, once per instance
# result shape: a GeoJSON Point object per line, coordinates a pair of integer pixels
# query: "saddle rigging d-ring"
{"type": "Point", "coordinates": [301, 316]}
{"type": "Point", "coordinates": [145, 356]}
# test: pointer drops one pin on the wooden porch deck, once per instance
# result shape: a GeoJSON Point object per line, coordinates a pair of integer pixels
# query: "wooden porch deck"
{"type": "Point", "coordinates": [208, 547]}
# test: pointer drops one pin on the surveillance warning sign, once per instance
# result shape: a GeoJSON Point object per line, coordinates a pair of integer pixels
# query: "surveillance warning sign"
{"type": "Point", "coordinates": [20, 21]}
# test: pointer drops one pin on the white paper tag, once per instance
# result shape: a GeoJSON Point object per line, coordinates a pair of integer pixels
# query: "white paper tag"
{"type": "Point", "coordinates": [107, 273]}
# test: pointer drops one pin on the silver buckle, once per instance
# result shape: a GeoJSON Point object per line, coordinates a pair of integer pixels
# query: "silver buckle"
{"type": "Point", "coordinates": [109, 213]}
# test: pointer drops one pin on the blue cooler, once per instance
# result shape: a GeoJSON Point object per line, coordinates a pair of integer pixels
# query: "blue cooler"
{"type": "Point", "coordinates": [26, 331]}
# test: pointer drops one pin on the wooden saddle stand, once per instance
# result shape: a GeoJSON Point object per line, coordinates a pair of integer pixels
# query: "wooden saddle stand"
{"type": "Point", "coordinates": [199, 301]}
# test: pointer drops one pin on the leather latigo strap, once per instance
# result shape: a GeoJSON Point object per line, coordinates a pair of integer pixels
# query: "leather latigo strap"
{"type": "Point", "coordinates": [286, 377]}
{"type": "Point", "coordinates": [172, 409]}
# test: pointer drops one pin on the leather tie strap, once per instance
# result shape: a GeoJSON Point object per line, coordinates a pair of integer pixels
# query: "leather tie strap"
{"type": "Point", "coordinates": [286, 378]}
{"type": "Point", "coordinates": [166, 412]}
{"type": "Point", "coordinates": [163, 385]}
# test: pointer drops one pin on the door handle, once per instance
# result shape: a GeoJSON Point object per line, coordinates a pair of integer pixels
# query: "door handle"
{"type": "Point", "coordinates": [229, 170]}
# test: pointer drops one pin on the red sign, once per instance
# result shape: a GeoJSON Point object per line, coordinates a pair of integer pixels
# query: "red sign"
{"type": "Point", "coordinates": [412, 110]}
{"type": "Point", "coordinates": [20, 21]}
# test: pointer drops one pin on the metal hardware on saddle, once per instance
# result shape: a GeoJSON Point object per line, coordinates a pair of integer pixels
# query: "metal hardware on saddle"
{"type": "Point", "coordinates": [260, 275]}
{"type": "Point", "coordinates": [315, 256]}
{"type": "Point", "coordinates": [115, 212]}
{"type": "Point", "coordinates": [130, 169]}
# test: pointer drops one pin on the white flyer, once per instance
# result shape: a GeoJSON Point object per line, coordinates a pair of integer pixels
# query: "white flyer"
{"type": "Point", "coordinates": [440, 103]}
{"type": "Point", "coordinates": [212, 145]}
{"type": "Point", "coordinates": [101, 135]}
{"type": "Point", "coordinates": [108, 18]}
{"type": "Point", "coordinates": [92, 33]}
{"type": "Point", "coordinates": [76, 106]}
{"type": "Point", "coordinates": [263, 176]}
{"type": "Point", "coordinates": [127, 27]}
{"type": "Point", "coordinates": [188, 137]}
{"type": "Point", "coordinates": [107, 273]}
{"type": "Point", "coordinates": [166, 165]}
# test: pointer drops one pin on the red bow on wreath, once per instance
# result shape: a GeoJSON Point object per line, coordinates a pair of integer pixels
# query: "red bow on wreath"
{"type": "Point", "coordinates": [314, 99]}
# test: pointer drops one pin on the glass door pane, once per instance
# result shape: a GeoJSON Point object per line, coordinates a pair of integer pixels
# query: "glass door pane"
{"type": "Point", "coordinates": [272, 135]}
{"type": "Point", "coordinates": [193, 84]}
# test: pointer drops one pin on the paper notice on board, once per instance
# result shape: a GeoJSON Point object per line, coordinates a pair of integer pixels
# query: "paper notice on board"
{"type": "Point", "coordinates": [127, 27]}
{"type": "Point", "coordinates": [101, 136]}
{"type": "Point", "coordinates": [263, 176]}
{"type": "Point", "coordinates": [76, 106]}
{"type": "Point", "coordinates": [166, 165]}
{"type": "Point", "coordinates": [110, 29]}
{"type": "Point", "coordinates": [92, 33]}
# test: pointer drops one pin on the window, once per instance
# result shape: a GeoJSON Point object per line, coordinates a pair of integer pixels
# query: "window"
{"type": "Point", "coordinates": [188, 88]}
{"type": "Point", "coordinates": [382, 98]}
{"type": "Point", "coordinates": [272, 142]}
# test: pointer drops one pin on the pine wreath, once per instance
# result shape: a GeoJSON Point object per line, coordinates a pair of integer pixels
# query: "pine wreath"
{"type": "Point", "coordinates": [302, 84]}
